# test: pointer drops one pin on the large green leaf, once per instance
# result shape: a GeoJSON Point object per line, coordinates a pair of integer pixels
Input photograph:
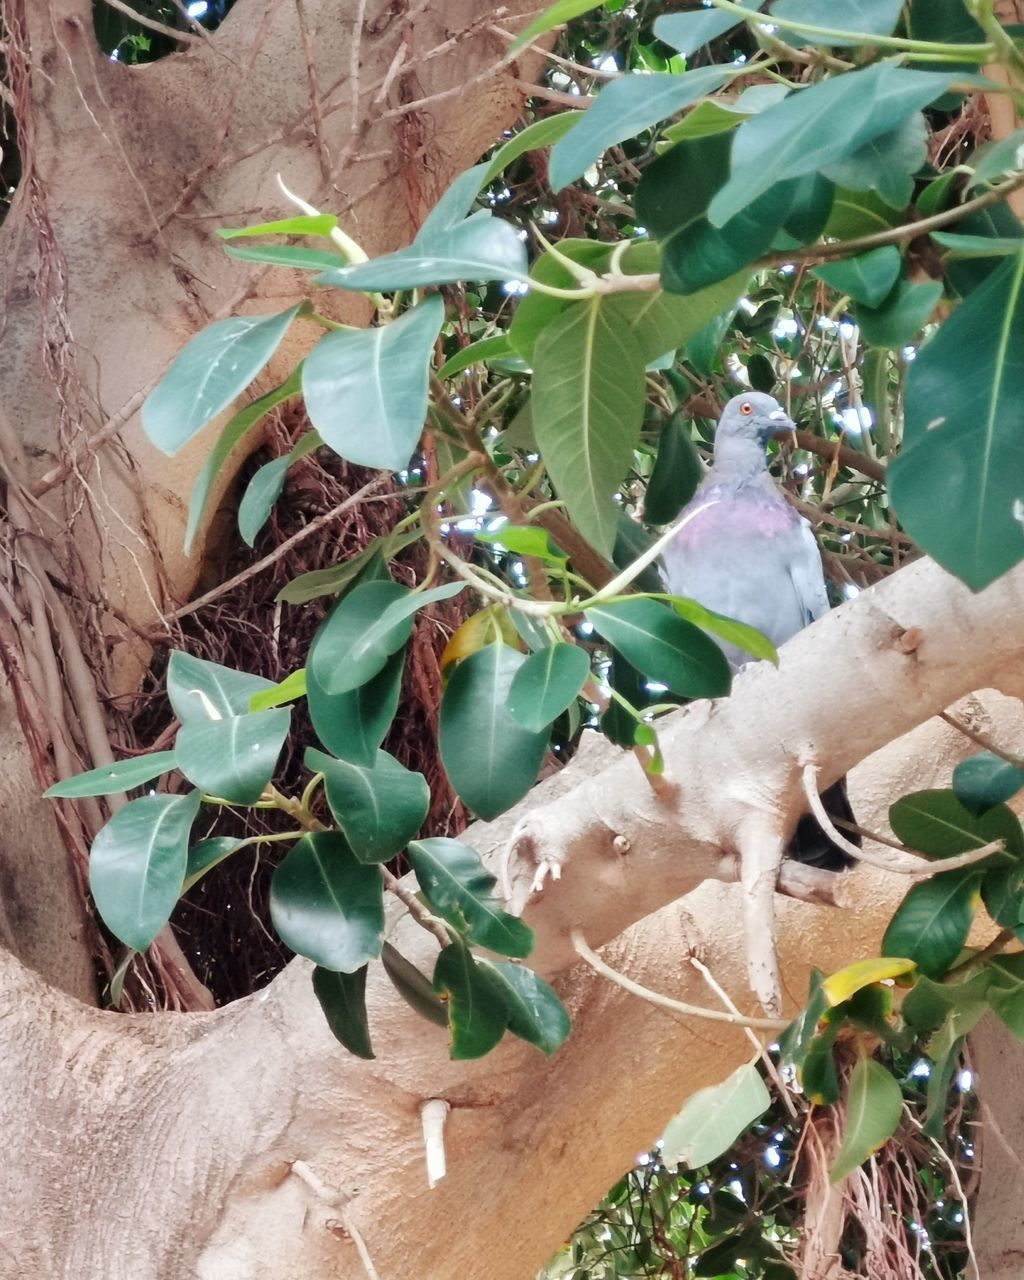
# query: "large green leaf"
{"type": "Point", "coordinates": [414, 987]}
{"type": "Point", "coordinates": [689, 32]}
{"type": "Point", "coordinates": [677, 472]}
{"type": "Point", "coordinates": [664, 646]}
{"type": "Point", "coordinates": [379, 809]}
{"type": "Point", "coordinates": [537, 310]}
{"type": "Point", "coordinates": [334, 662]}
{"type": "Point", "coordinates": [459, 888]}
{"type": "Point", "coordinates": [588, 389]}
{"type": "Point", "coordinates": [867, 278]}
{"type": "Point", "coordinates": [623, 108]}
{"type": "Point", "coordinates": [714, 1118]}
{"type": "Point", "coordinates": [243, 421]}
{"type": "Point", "coordinates": [860, 18]}
{"type": "Point", "coordinates": [901, 316]}
{"type": "Point", "coordinates": [327, 905]}
{"type": "Point", "coordinates": [481, 248]}
{"type": "Point", "coordinates": [211, 370]}
{"type": "Point", "coordinates": [113, 779]}
{"type": "Point", "coordinates": [938, 824]}
{"type": "Point", "coordinates": [887, 163]}
{"type": "Point", "coordinates": [874, 1105]}
{"type": "Point", "coordinates": [980, 781]}
{"type": "Point", "coordinates": [342, 997]}
{"type": "Point", "coordinates": [366, 391]}
{"type": "Point", "coordinates": [353, 725]}
{"type": "Point", "coordinates": [477, 1013]}
{"type": "Point", "coordinates": [535, 1013]}
{"type": "Point", "coordinates": [859, 106]}
{"type": "Point", "coordinates": [547, 684]}
{"type": "Point", "coordinates": [956, 485]}
{"type": "Point", "coordinates": [932, 922]}
{"type": "Point", "coordinates": [137, 865]}
{"type": "Point", "coordinates": [491, 760]}
{"type": "Point", "coordinates": [233, 758]}
{"type": "Point", "coordinates": [201, 691]}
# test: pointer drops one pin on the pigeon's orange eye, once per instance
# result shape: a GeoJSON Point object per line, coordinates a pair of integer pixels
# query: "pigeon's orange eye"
{"type": "Point", "coordinates": [747, 408]}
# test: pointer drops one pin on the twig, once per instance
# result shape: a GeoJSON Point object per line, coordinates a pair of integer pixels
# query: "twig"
{"type": "Point", "coordinates": [416, 909]}
{"type": "Point", "coordinates": [982, 740]}
{"type": "Point", "coordinates": [911, 864]}
{"type": "Point", "coordinates": [186, 37]}
{"type": "Point", "coordinates": [666, 1002]}
{"type": "Point", "coordinates": [361, 495]}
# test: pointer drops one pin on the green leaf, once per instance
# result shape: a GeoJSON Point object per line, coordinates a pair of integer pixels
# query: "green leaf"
{"type": "Point", "coordinates": [535, 1013]}
{"type": "Point", "coordinates": [243, 421]}
{"type": "Point", "coordinates": [677, 472]}
{"type": "Point", "coordinates": [342, 998]}
{"type": "Point", "coordinates": [688, 32]}
{"type": "Point", "coordinates": [491, 760]}
{"type": "Point", "coordinates": [366, 392]}
{"type": "Point", "coordinates": [137, 865]}
{"type": "Point", "coordinates": [860, 213]}
{"type": "Point", "coordinates": [703, 254]}
{"type": "Point", "coordinates": [959, 247]}
{"type": "Point", "coordinates": [485, 349]}
{"type": "Point", "coordinates": [541, 133]}
{"type": "Point", "coordinates": [262, 491]}
{"type": "Point", "coordinates": [113, 779]}
{"type": "Point", "coordinates": [955, 485]}
{"type": "Point", "coordinates": [859, 106]}
{"type": "Point", "coordinates": [714, 1118]}
{"type": "Point", "coordinates": [874, 1105]}
{"type": "Point", "coordinates": [588, 390]}
{"type": "Point", "coordinates": [366, 564]}
{"type": "Point", "coordinates": [481, 248]}
{"type": "Point", "coordinates": [553, 16]}
{"type": "Point", "coordinates": [939, 825]}
{"type": "Point", "coordinates": [932, 922]}
{"type": "Point", "coordinates": [379, 809]}
{"type": "Point", "coordinates": [538, 310]}
{"type": "Point", "coordinates": [461, 890]}
{"type": "Point", "coordinates": [233, 758]}
{"type": "Point", "coordinates": [414, 988]}
{"type": "Point", "coordinates": [452, 208]}
{"type": "Point", "coordinates": [863, 18]}
{"type": "Point", "coordinates": [211, 370]}
{"type": "Point", "coordinates": [706, 118]}
{"type": "Point", "coordinates": [312, 224]}
{"type": "Point", "coordinates": [477, 1013]}
{"type": "Point", "coordinates": [201, 691]}
{"type": "Point", "coordinates": [929, 1004]}
{"type": "Point", "coordinates": [547, 684]}
{"type": "Point", "coordinates": [206, 854]}
{"type": "Point", "coordinates": [353, 725]}
{"type": "Point", "coordinates": [993, 162]}
{"type": "Point", "coordinates": [291, 688]}
{"type": "Point", "coordinates": [296, 257]}
{"type": "Point", "coordinates": [886, 164]}
{"type": "Point", "coordinates": [980, 781]}
{"type": "Point", "coordinates": [901, 316]}
{"type": "Point", "coordinates": [327, 905]}
{"type": "Point", "coordinates": [339, 658]}
{"type": "Point", "coordinates": [664, 646]}
{"type": "Point", "coordinates": [623, 108]}
{"type": "Point", "coordinates": [868, 278]}
{"type": "Point", "coordinates": [524, 540]}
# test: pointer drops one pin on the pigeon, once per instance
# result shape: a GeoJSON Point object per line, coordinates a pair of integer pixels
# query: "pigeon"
{"type": "Point", "coordinates": [743, 551]}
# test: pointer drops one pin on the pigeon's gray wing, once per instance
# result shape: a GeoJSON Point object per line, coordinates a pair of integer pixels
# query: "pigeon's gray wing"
{"type": "Point", "coordinates": [807, 575]}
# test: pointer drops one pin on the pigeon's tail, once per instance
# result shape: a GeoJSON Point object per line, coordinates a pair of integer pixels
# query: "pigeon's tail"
{"type": "Point", "coordinates": [812, 846]}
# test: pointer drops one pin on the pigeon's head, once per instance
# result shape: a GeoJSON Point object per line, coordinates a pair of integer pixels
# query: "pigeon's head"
{"type": "Point", "coordinates": [753, 416]}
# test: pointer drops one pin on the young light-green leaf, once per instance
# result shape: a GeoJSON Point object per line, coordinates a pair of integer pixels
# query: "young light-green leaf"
{"type": "Point", "coordinates": [313, 224]}
{"type": "Point", "coordinates": [491, 760]}
{"type": "Point", "coordinates": [327, 905]}
{"type": "Point", "coordinates": [366, 392]}
{"type": "Point", "coordinates": [588, 389]}
{"type": "Point", "coordinates": [210, 371]}
{"type": "Point", "coordinates": [714, 1118]}
{"type": "Point", "coordinates": [379, 809]}
{"type": "Point", "coordinates": [113, 779]}
{"type": "Point", "coordinates": [459, 888]}
{"type": "Point", "coordinates": [137, 865]}
{"type": "Point", "coordinates": [296, 257]}
{"type": "Point", "coordinates": [874, 1105]}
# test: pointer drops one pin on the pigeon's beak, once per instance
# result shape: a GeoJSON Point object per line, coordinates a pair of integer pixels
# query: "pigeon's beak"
{"type": "Point", "coordinates": [781, 422]}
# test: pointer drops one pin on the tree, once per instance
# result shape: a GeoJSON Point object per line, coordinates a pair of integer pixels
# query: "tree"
{"type": "Point", "coordinates": [296, 1168]}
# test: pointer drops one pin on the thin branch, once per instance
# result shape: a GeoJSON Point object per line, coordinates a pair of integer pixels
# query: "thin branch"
{"type": "Point", "coordinates": [982, 740]}
{"type": "Point", "coordinates": [186, 37]}
{"type": "Point", "coordinates": [666, 1002]}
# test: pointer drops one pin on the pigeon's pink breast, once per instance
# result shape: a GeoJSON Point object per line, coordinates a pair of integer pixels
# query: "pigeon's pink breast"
{"type": "Point", "coordinates": [751, 518]}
